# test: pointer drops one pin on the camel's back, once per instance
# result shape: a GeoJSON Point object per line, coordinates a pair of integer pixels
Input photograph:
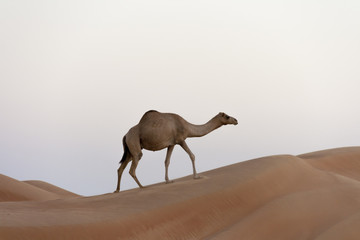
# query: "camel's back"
{"type": "Point", "coordinates": [155, 116]}
{"type": "Point", "coordinates": [158, 130]}
{"type": "Point", "coordinates": [154, 120]}
{"type": "Point", "coordinates": [150, 115]}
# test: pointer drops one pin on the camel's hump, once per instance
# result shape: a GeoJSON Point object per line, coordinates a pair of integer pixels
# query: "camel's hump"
{"type": "Point", "coordinates": [148, 114]}
{"type": "Point", "coordinates": [150, 111]}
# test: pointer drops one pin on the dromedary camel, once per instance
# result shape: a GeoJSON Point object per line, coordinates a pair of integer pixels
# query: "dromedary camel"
{"type": "Point", "coordinates": [157, 131]}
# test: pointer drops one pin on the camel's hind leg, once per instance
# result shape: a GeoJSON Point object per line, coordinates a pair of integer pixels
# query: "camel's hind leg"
{"type": "Point", "coordinates": [192, 157]}
{"type": "Point", "coordinates": [120, 171]}
{"type": "Point", "coordinates": [134, 164]}
{"type": "Point", "coordinates": [167, 162]}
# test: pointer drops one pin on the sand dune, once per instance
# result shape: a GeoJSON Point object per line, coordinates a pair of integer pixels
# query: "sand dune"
{"type": "Point", "coordinates": [343, 161]}
{"type": "Point", "coordinates": [14, 190]}
{"type": "Point", "coordinates": [62, 193]}
{"type": "Point", "coordinates": [310, 196]}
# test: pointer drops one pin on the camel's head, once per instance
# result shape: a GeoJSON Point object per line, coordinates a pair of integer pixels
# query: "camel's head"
{"type": "Point", "coordinates": [226, 119]}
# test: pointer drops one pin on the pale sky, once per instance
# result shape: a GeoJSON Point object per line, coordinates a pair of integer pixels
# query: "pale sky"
{"type": "Point", "coordinates": [76, 75]}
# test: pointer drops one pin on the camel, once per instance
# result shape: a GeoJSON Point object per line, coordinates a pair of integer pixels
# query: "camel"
{"type": "Point", "coordinates": [157, 131]}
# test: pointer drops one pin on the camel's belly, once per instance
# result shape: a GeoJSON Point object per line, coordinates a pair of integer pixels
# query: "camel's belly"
{"type": "Point", "coordinates": [155, 140]}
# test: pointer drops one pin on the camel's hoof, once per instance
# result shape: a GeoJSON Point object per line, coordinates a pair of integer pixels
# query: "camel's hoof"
{"type": "Point", "coordinates": [168, 181]}
{"type": "Point", "coordinates": [197, 177]}
{"type": "Point", "coordinates": [116, 191]}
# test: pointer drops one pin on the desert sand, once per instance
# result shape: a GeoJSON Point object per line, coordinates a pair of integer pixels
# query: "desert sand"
{"type": "Point", "coordinates": [310, 196]}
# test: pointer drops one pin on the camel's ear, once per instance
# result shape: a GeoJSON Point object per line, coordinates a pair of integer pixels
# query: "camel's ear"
{"type": "Point", "coordinates": [222, 114]}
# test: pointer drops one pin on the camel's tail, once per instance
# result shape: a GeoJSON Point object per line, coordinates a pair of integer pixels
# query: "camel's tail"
{"type": "Point", "coordinates": [126, 150]}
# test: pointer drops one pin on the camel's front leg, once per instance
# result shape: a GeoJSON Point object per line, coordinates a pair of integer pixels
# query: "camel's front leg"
{"type": "Point", "coordinates": [192, 157]}
{"type": "Point", "coordinates": [167, 162]}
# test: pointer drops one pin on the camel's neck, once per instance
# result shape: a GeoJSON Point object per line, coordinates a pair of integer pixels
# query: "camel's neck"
{"type": "Point", "coordinates": [201, 130]}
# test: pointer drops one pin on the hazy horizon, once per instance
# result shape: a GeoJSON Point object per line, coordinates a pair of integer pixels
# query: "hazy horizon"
{"type": "Point", "coordinates": [75, 76]}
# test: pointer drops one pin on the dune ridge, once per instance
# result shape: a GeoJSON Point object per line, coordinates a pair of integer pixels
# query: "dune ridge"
{"type": "Point", "coordinates": [310, 196]}
{"type": "Point", "coordinates": [51, 188]}
{"type": "Point", "coordinates": [13, 190]}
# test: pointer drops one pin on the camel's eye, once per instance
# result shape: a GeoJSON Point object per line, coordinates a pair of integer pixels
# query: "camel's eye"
{"type": "Point", "coordinates": [227, 117]}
